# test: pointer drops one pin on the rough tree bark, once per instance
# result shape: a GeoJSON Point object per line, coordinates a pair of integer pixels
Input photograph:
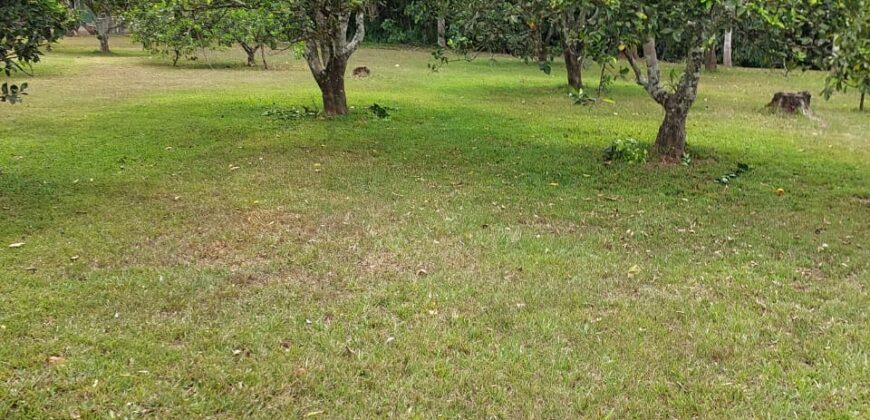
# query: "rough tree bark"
{"type": "Point", "coordinates": [263, 56]}
{"type": "Point", "coordinates": [538, 45]}
{"type": "Point", "coordinates": [710, 62]}
{"type": "Point", "coordinates": [726, 49]}
{"type": "Point", "coordinates": [104, 42]}
{"type": "Point", "coordinates": [251, 52]}
{"type": "Point", "coordinates": [574, 64]}
{"type": "Point", "coordinates": [103, 25]}
{"type": "Point", "coordinates": [327, 56]}
{"type": "Point", "coordinates": [670, 143]}
{"type": "Point", "coordinates": [791, 102]}
{"type": "Point", "coordinates": [442, 32]}
{"type": "Point", "coordinates": [573, 51]}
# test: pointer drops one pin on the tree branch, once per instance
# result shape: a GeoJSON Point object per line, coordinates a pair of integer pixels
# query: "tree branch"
{"type": "Point", "coordinates": [358, 36]}
{"type": "Point", "coordinates": [313, 59]}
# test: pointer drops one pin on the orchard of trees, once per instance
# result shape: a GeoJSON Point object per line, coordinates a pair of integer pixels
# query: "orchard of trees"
{"type": "Point", "coordinates": [826, 34]}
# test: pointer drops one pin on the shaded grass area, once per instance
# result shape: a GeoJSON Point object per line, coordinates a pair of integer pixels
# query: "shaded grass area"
{"type": "Point", "coordinates": [470, 256]}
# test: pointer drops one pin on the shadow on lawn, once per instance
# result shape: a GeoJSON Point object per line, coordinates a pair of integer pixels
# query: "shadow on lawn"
{"type": "Point", "coordinates": [503, 153]}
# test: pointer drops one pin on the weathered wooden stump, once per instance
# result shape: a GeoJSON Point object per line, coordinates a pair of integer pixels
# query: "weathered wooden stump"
{"type": "Point", "coordinates": [791, 102]}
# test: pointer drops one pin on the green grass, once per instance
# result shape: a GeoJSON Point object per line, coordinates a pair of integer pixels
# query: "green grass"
{"type": "Point", "coordinates": [468, 257]}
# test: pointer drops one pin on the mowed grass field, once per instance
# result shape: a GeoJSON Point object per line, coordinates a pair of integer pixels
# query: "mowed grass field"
{"type": "Point", "coordinates": [186, 256]}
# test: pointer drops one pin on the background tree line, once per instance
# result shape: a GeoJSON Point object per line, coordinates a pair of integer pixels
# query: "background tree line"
{"type": "Point", "coordinates": [828, 34]}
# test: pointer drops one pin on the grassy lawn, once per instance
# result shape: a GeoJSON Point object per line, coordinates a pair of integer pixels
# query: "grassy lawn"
{"type": "Point", "coordinates": [185, 255]}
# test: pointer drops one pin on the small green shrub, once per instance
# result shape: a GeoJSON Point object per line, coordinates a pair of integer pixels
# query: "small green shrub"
{"type": "Point", "coordinates": [381, 112]}
{"type": "Point", "coordinates": [293, 113]}
{"type": "Point", "coordinates": [727, 178]}
{"type": "Point", "coordinates": [626, 150]}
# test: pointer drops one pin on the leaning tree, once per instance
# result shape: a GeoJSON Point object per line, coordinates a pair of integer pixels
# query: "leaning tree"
{"type": "Point", "coordinates": [690, 23]}
{"type": "Point", "coordinates": [26, 26]}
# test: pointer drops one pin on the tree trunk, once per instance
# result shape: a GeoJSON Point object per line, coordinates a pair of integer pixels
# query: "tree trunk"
{"type": "Point", "coordinates": [331, 83]}
{"type": "Point", "coordinates": [670, 143]}
{"type": "Point", "coordinates": [442, 32]}
{"type": "Point", "coordinates": [671, 140]}
{"type": "Point", "coordinates": [573, 64]}
{"type": "Point", "coordinates": [726, 49]}
{"type": "Point", "coordinates": [631, 51]}
{"type": "Point", "coordinates": [103, 26]}
{"type": "Point", "coordinates": [861, 104]}
{"type": "Point", "coordinates": [251, 52]}
{"type": "Point", "coordinates": [650, 55]}
{"type": "Point", "coordinates": [710, 64]}
{"type": "Point", "coordinates": [175, 57]}
{"type": "Point", "coordinates": [538, 41]}
{"type": "Point", "coordinates": [104, 42]}
{"type": "Point", "coordinates": [263, 56]}
{"type": "Point", "coordinates": [327, 58]}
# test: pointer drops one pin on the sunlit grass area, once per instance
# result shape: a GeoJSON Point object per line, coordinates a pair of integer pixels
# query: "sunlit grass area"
{"type": "Point", "coordinates": [469, 256]}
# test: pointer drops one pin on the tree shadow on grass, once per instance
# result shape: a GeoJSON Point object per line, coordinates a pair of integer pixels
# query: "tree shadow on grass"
{"type": "Point", "coordinates": [89, 52]}
{"type": "Point", "coordinates": [508, 154]}
{"type": "Point", "coordinates": [163, 62]}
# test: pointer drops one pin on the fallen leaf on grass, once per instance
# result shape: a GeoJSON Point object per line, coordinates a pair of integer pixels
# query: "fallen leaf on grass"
{"type": "Point", "coordinates": [56, 360]}
{"type": "Point", "coordinates": [16, 245]}
{"type": "Point", "coordinates": [634, 270]}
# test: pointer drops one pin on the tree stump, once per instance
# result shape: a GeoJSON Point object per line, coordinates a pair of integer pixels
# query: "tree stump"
{"type": "Point", "coordinates": [791, 102]}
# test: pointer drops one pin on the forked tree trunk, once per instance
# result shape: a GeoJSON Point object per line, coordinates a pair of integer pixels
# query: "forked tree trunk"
{"type": "Point", "coordinates": [327, 58]}
{"type": "Point", "coordinates": [103, 26]}
{"type": "Point", "coordinates": [331, 84]}
{"type": "Point", "coordinates": [251, 52]}
{"type": "Point", "coordinates": [670, 143]}
{"type": "Point", "coordinates": [442, 32]}
{"type": "Point", "coordinates": [573, 65]}
{"type": "Point", "coordinates": [726, 49]}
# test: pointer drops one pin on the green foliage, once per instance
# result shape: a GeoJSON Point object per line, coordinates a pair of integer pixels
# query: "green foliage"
{"type": "Point", "coordinates": [381, 112]}
{"type": "Point", "coordinates": [171, 28]}
{"type": "Point", "coordinates": [829, 34]}
{"type": "Point", "coordinates": [25, 27]}
{"type": "Point", "coordinates": [293, 113]}
{"type": "Point", "coordinates": [166, 28]}
{"type": "Point", "coordinates": [727, 178]}
{"type": "Point", "coordinates": [849, 62]}
{"type": "Point", "coordinates": [626, 150]}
